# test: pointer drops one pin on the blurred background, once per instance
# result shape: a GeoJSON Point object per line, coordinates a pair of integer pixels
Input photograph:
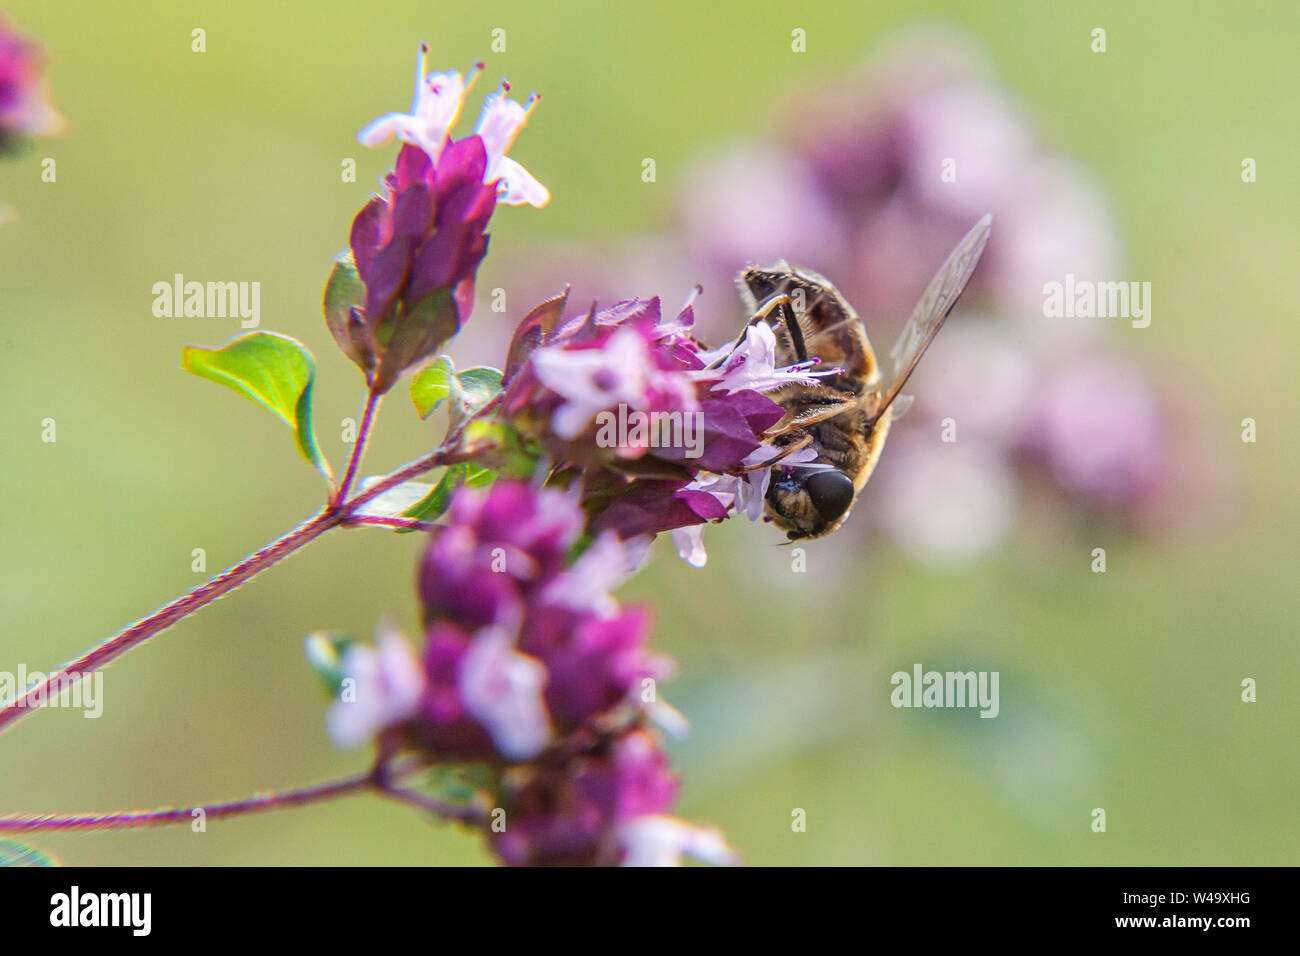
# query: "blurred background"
{"type": "Point", "coordinates": [1119, 690]}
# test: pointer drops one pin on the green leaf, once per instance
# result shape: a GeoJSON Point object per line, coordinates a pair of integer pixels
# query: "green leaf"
{"type": "Point", "coordinates": [466, 785]}
{"type": "Point", "coordinates": [432, 384]}
{"type": "Point", "coordinates": [486, 436]}
{"type": "Point", "coordinates": [434, 504]}
{"type": "Point", "coordinates": [466, 392]}
{"type": "Point", "coordinates": [344, 292]}
{"type": "Point", "coordinates": [494, 444]}
{"type": "Point", "coordinates": [270, 370]}
{"type": "Point", "coordinates": [415, 335]}
{"type": "Point", "coordinates": [478, 477]}
{"type": "Point", "coordinates": [16, 854]}
{"type": "Point", "coordinates": [478, 386]}
{"type": "Point", "coordinates": [325, 651]}
{"type": "Point", "coordinates": [394, 502]}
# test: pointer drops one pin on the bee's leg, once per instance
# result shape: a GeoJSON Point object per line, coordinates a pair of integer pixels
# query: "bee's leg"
{"type": "Point", "coordinates": [777, 301]}
{"type": "Point", "coordinates": [772, 302]}
{"type": "Point", "coordinates": [788, 450]}
{"type": "Point", "coordinates": [789, 320]}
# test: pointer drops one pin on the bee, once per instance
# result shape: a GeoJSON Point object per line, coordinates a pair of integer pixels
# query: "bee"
{"type": "Point", "coordinates": [845, 418]}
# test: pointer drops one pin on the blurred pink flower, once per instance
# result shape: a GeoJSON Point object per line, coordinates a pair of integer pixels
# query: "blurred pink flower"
{"type": "Point", "coordinates": [758, 204]}
{"type": "Point", "coordinates": [24, 110]}
{"type": "Point", "coordinates": [948, 144]}
{"type": "Point", "coordinates": [979, 374]}
{"type": "Point", "coordinates": [1098, 425]}
{"type": "Point", "coordinates": [944, 503]}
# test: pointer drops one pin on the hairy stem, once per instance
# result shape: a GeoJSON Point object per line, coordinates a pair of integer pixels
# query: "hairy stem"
{"type": "Point", "coordinates": [167, 615]}
{"type": "Point", "coordinates": [359, 446]}
{"type": "Point", "coordinates": [414, 469]}
{"type": "Point", "coordinates": [465, 814]}
{"type": "Point", "coordinates": [156, 818]}
{"type": "Point", "coordinates": [381, 780]}
{"type": "Point", "coordinates": [142, 630]}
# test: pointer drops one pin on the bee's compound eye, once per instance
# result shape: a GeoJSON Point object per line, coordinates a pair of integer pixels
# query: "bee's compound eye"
{"type": "Point", "coordinates": [831, 493]}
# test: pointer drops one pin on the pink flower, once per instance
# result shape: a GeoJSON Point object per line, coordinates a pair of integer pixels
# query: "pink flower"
{"type": "Point", "coordinates": [590, 381]}
{"type": "Point", "coordinates": [435, 108]}
{"type": "Point", "coordinates": [584, 811]}
{"type": "Point", "coordinates": [514, 633]}
{"type": "Point", "coordinates": [752, 365]}
{"type": "Point", "coordinates": [385, 687]}
{"type": "Point", "coordinates": [438, 100]}
{"type": "Point", "coordinates": [660, 840]}
{"type": "Point", "coordinates": [498, 126]}
{"type": "Point", "coordinates": [753, 204]}
{"type": "Point", "coordinates": [502, 690]}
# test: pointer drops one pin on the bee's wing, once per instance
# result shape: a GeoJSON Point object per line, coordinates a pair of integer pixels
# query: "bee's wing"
{"type": "Point", "coordinates": [939, 298]}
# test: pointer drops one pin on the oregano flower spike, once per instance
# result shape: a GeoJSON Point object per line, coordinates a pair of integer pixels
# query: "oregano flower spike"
{"type": "Point", "coordinates": [406, 283]}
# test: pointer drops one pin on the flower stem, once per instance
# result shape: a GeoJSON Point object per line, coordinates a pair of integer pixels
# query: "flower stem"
{"type": "Point", "coordinates": [381, 521]}
{"type": "Point", "coordinates": [167, 615]}
{"type": "Point", "coordinates": [155, 818]}
{"type": "Point", "coordinates": [380, 779]}
{"type": "Point", "coordinates": [359, 446]}
{"type": "Point", "coordinates": [142, 630]}
{"type": "Point", "coordinates": [440, 456]}
{"type": "Point", "coordinates": [465, 814]}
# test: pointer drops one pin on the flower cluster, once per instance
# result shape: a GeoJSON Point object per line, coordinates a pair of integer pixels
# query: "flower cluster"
{"type": "Point", "coordinates": [530, 675]}
{"type": "Point", "coordinates": [529, 665]}
{"type": "Point", "coordinates": [24, 110]}
{"type": "Point", "coordinates": [417, 246]}
{"type": "Point", "coordinates": [522, 646]}
{"type": "Point", "coordinates": [705, 417]}
{"type": "Point", "coordinates": [605, 806]}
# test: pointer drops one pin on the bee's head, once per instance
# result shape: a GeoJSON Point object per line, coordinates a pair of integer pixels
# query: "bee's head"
{"type": "Point", "coordinates": [809, 503]}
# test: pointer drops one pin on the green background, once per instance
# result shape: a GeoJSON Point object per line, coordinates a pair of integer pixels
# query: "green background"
{"type": "Point", "coordinates": [1119, 691]}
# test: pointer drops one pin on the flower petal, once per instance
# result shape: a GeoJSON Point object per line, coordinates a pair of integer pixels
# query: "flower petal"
{"type": "Point", "coordinates": [502, 690]}
{"type": "Point", "coordinates": [661, 840]}
{"type": "Point", "coordinates": [517, 186]}
{"type": "Point", "coordinates": [689, 543]}
{"type": "Point", "coordinates": [380, 131]}
{"type": "Point", "coordinates": [500, 121]}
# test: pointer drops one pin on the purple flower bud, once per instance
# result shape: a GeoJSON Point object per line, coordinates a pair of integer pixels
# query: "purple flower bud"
{"type": "Point", "coordinates": [417, 248]}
